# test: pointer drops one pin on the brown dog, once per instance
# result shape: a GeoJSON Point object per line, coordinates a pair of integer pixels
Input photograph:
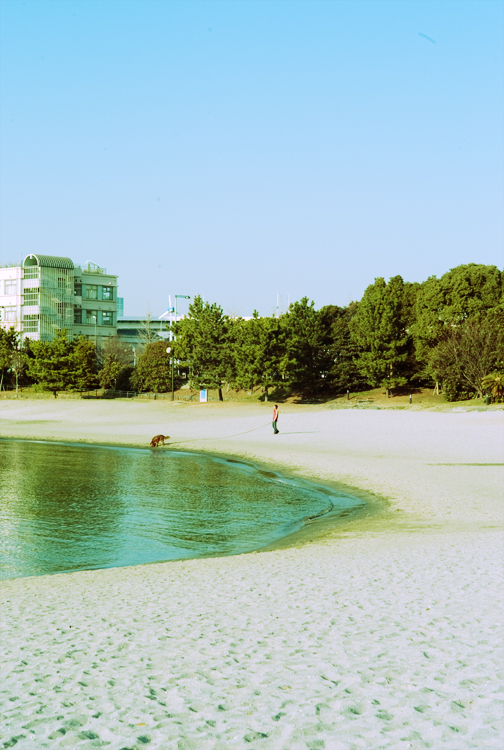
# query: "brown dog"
{"type": "Point", "coordinates": [154, 443]}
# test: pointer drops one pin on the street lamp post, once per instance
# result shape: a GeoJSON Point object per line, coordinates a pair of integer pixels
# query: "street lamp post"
{"type": "Point", "coordinates": [177, 296]}
{"type": "Point", "coordinates": [168, 350]}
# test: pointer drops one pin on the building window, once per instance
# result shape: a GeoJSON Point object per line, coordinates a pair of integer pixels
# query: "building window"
{"type": "Point", "coordinates": [10, 314]}
{"type": "Point", "coordinates": [33, 272]}
{"type": "Point", "coordinates": [78, 288]}
{"type": "Point", "coordinates": [31, 296]}
{"type": "Point", "coordinates": [77, 317]}
{"type": "Point", "coordinates": [30, 323]}
{"type": "Point", "coordinates": [11, 286]}
{"type": "Point", "coordinates": [107, 319]}
{"type": "Point", "coordinates": [91, 291]}
{"type": "Point", "coordinates": [108, 292]}
{"type": "Point", "coordinates": [91, 317]}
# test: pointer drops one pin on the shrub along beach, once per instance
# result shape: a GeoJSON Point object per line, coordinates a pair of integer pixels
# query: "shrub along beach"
{"type": "Point", "coordinates": [377, 632]}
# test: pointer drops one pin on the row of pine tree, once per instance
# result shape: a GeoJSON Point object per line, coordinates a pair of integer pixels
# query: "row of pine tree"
{"type": "Point", "coordinates": [448, 330]}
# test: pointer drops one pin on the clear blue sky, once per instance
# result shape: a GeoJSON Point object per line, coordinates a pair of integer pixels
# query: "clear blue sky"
{"type": "Point", "coordinates": [236, 149]}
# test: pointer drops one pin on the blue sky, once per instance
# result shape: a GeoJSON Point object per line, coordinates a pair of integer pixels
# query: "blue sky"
{"type": "Point", "coordinates": [238, 149]}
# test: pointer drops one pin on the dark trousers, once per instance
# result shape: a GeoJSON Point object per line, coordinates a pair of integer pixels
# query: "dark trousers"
{"type": "Point", "coordinates": [274, 425]}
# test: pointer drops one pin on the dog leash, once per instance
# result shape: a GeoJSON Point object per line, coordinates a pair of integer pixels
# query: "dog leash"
{"type": "Point", "coordinates": [225, 437]}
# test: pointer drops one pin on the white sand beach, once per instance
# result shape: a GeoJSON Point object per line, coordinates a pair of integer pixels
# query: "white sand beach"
{"type": "Point", "coordinates": [383, 632]}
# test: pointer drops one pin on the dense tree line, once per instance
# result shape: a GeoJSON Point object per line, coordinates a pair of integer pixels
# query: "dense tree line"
{"type": "Point", "coordinates": [57, 365]}
{"type": "Point", "coordinates": [447, 331]}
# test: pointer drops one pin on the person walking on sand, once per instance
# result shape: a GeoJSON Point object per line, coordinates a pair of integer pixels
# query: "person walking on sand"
{"type": "Point", "coordinates": [275, 420]}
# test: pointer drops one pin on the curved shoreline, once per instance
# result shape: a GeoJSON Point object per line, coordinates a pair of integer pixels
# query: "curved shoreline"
{"type": "Point", "coordinates": [296, 531]}
{"type": "Point", "coordinates": [382, 632]}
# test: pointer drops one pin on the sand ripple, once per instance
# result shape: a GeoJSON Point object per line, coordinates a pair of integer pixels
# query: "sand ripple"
{"type": "Point", "coordinates": [387, 642]}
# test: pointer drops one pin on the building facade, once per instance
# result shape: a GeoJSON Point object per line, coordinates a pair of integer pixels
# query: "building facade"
{"type": "Point", "coordinates": [47, 293]}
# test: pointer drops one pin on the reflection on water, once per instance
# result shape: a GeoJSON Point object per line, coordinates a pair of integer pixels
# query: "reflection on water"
{"type": "Point", "coordinates": [67, 507]}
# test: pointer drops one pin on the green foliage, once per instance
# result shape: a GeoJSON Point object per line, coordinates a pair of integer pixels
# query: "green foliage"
{"type": "Point", "coordinates": [124, 379]}
{"type": "Point", "coordinates": [494, 384]}
{"type": "Point", "coordinates": [460, 293]}
{"type": "Point", "coordinates": [471, 290]}
{"type": "Point", "coordinates": [259, 350]}
{"type": "Point", "coordinates": [408, 304]}
{"type": "Point", "coordinates": [308, 348]}
{"type": "Point", "coordinates": [116, 371]}
{"type": "Point", "coordinates": [27, 354]}
{"type": "Point", "coordinates": [400, 332]}
{"type": "Point", "coordinates": [9, 344]}
{"type": "Point", "coordinates": [60, 364]}
{"type": "Point", "coordinates": [18, 364]}
{"type": "Point", "coordinates": [466, 353]}
{"type": "Point", "coordinates": [343, 374]}
{"type": "Point", "coordinates": [52, 366]}
{"type": "Point", "coordinates": [153, 370]}
{"type": "Point", "coordinates": [84, 365]}
{"type": "Point", "coordinates": [205, 342]}
{"type": "Point", "coordinates": [110, 373]}
{"type": "Point", "coordinates": [454, 388]}
{"type": "Point", "coordinates": [387, 339]}
{"type": "Point", "coordinates": [379, 330]}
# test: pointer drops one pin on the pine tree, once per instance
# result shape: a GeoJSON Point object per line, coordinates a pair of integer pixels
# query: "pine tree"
{"type": "Point", "coordinates": [259, 353]}
{"type": "Point", "coordinates": [308, 348]}
{"type": "Point", "coordinates": [379, 330]}
{"type": "Point", "coordinates": [53, 366]}
{"type": "Point", "coordinates": [83, 359]}
{"type": "Point", "coordinates": [344, 374]}
{"type": "Point", "coordinates": [205, 341]}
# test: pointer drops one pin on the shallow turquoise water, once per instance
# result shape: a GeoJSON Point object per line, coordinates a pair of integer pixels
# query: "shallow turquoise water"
{"type": "Point", "coordinates": [68, 507]}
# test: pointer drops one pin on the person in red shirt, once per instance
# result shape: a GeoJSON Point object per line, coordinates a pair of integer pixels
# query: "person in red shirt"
{"type": "Point", "coordinates": [275, 420]}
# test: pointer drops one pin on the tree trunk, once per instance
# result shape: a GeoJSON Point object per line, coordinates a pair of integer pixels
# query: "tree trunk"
{"type": "Point", "coordinates": [266, 393]}
{"type": "Point", "coordinates": [220, 395]}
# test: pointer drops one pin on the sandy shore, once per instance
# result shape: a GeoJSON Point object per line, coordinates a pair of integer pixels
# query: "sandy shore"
{"type": "Point", "coordinates": [385, 632]}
